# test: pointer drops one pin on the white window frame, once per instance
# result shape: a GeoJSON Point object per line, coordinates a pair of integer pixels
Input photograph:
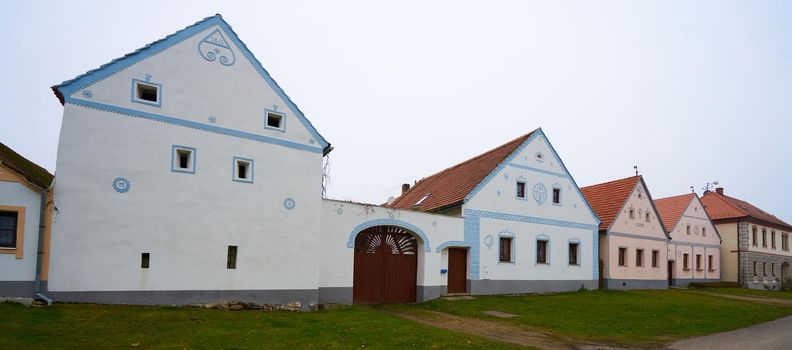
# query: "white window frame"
{"type": "Point", "coordinates": [192, 162]}
{"type": "Point", "coordinates": [250, 169]}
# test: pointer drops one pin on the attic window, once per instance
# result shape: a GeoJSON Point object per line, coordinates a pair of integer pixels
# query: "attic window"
{"type": "Point", "coordinates": [146, 92]}
{"type": "Point", "coordinates": [421, 200]}
{"type": "Point", "coordinates": [243, 170]}
{"type": "Point", "coordinates": [183, 159]}
{"type": "Point", "coordinates": [521, 189]}
{"type": "Point", "coordinates": [275, 121]}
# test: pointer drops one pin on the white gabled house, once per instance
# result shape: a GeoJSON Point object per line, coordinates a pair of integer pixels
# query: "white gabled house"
{"type": "Point", "coordinates": [185, 174]}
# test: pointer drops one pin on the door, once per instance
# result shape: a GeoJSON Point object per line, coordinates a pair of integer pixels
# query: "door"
{"type": "Point", "coordinates": [670, 273]}
{"type": "Point", "coordinates": [386, 266]}
{"type": "Point", "coordinates": [457, 270]}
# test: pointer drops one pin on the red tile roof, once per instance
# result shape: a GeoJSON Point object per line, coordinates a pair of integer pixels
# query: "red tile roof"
{"type": "Point", "coordinates": [31, 171]}
{"type": "Point", "coordinates": [607, 199]}
{"type": "Point", "coordinates": [721, 207]}
{"type": "Point", "coordinates": [672, 208]}
{"type": "Point", "coordinates": [451, 186]}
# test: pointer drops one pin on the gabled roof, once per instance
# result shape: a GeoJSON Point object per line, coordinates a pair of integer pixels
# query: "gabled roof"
{"type": "Point", "coordinates": [721, 207]}
{"type": "Point", "coordinates": [672, 208]}
{"type": "Point", "coordinates": [608, 198]}
{"type": "Point", "coordinates": [450, 186]}
{"type": "Point", "coordinates": [33, 173]}
{"type": "Point", "coordinates": [66, 88]}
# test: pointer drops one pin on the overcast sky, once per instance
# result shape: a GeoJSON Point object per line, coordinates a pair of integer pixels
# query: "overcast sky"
{"type": "Point", "coordinates": [689, 91]}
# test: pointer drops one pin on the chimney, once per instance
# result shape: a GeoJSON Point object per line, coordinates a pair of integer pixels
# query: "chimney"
{"type": "Point", "coordinates": [719, 190]}
{"type": "Point", "coordinates": [405, 188]}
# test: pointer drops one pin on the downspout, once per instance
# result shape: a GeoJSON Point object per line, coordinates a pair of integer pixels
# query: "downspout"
{"type": "Point", "coordinates": [42, 226]}
{"type": "Point", "coordinates": [739, 260]}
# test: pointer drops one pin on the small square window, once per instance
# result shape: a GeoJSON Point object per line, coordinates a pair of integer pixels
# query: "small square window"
{"type": "Point", "coordinates": [520, 189]}
{"type": "Point", "coordinates": [243, 169]}
{"type": "Point", "coordinates": [232, 257]}
{"type": "Point", "coordinates": [275, 121]}
{"type": "Point", "coordinates": [556, 195]}
{"type": "Point", "coordinates": [183, 159]}
{"type": "Point", "coordinates": [8, 229]}
{"type": "Point", "coordinates": [146, 92]}
{"type": "Point", "coordinates": [144, 260]}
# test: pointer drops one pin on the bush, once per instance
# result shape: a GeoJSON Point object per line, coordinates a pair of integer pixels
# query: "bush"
{"type": "Point", "coordinates": [714, 285]}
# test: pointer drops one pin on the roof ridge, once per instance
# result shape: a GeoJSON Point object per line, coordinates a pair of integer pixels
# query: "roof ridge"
{"type": "Point", "coordinates": [612, 181]}
{"type": "Point", "coordinates": [724, 199]}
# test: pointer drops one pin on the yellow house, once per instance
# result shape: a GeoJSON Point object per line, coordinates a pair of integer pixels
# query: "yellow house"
{"type": "Point", "coordinates": [25, 199]}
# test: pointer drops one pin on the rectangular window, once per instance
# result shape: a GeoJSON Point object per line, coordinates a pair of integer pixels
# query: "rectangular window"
{"type": "Point", "coordinates": [541, 252]}
{"type": "Point", "coordinates": [505, 249]}
{"type": "Point", "coordinates": [639, 257]}
{"type": "Point", "coordinates": [710, 262]}
{"type": "Point", "coordinates": [622, 256]}
{"type": "Point", "coordinates": [243, 170]}
{"type": "Point", "coordinates": [772, 269]}
{"type": "Point", "coordinates": [698, 262]}
{"type": "Point", "coordinates": [785, 242]}
{"type": "Point", "coordinates": [146, 92]}
{"type": "Point", "coordinates": [573, 253]}
{"type": "Point", "coordinates": [772, 240]}
{"type": "Point", "coordinates": [232, 257]}
{"type": "Point", "coordinates": [754, 269]}
{"type": "Point", "coordinates": [556, 195]}
{"type": "Point", "coordinates": [655, 258]}
{"type": "Point", "coordinates": [754, 241]}
{"type": "Point", "coordinates": [704, 231]}
{"type": "Point", "coordinates": [685, 262]}
{"type": "Point", "coordinates": [8, 229]}
{"type": "Point", "coordinates": [275, 121]}
{"type": "Point", "coordinates": [520, 189]}
{"type": "Point", "coordinates": [648, 217]}
{"type": "Point", "coordinates": [632, 213]}
{"type": "Point", "coordinates": [144, 260]}
{"type": "Point", "coordinates": [183, 159]}
{"type": "Point", "coordinates": [764, 269]}
{"type": "Point", "coordinates": [687, 229]}
{"type": "Point", "coordinates": [764, 238]}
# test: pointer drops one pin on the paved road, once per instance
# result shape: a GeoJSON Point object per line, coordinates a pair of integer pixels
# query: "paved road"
{"type": "Point", "coordinates": [766, 336]}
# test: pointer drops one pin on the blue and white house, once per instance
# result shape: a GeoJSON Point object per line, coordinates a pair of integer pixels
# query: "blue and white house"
{"type": "Point", "coordinates": [185, 174]}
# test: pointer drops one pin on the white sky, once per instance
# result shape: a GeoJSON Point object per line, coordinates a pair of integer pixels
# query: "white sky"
{"type": "Point", "coordinates": [689, 91]}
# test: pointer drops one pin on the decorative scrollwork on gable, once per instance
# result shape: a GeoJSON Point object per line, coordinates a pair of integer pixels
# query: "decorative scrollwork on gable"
{"type": "Point", "coordinates": [215, 47]}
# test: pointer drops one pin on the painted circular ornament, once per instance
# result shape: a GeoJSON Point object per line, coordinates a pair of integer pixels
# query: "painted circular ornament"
{"type": "Point", "coordinates": [489, 241]}
{"type": "Point", "coordinates": [539, 193]}
{"type": "Point", "coordinates": [121, 184]}
{"type": "Point", "coordinates": [289, 203]}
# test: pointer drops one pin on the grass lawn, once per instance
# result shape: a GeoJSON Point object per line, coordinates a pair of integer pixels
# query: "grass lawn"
{"type": "Point", "coordinates": [643, 318]}
{"type": "Point", "coordinates": [783, 294]}
{"type": "Point", "coordinates": [103, 326]}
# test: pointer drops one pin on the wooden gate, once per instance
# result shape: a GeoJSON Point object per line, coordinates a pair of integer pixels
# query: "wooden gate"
{"type": "Point", "coordinates": [386, 266]}
{"type": "Point", "coordinates": [457, 270]}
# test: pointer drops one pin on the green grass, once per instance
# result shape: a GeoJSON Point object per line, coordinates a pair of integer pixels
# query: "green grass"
{"type": "Point", "coordinates": [643, 318]}
{"type": "Point", "coordinates": [782, 294]}
{"type": "Point", "coordinates": [104, 326]}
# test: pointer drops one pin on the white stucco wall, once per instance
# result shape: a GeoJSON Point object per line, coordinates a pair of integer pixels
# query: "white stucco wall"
{"type": "Point", "coordinates": [185, 221]}
{"type": "Point", "coordinates": [340, 218]}
{"type": "Point", "coordinates": [18, 195]}
{"type": "Point", "coordinates": [536, 214]}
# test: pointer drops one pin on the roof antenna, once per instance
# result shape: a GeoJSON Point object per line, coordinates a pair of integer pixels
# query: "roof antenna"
{"type": "Point", "coordinates": [636, 169]}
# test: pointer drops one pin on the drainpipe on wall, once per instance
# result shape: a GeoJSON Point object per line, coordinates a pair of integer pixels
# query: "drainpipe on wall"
{"type": "Point", "coordinates": [42, 226]}
{"type": "Point", "coordinates": [739, 261]}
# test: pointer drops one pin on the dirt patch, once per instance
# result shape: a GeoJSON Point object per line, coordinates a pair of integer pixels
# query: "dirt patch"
{"type": "Point", "coordinates": [757, 299]}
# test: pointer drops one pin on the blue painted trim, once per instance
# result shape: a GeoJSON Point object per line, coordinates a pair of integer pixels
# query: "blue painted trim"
{"type": "Point", "coordinates": [500, 167]}
{"type": "Point", "coordinates": [283, 120]}
{"type": "Point", "coordinates": [529, 219]}
{"type": "Point", "coordinates": [389, 222]}
{"type": "Point", "coordinates": [193, 155]}
{"type": "Point", "coordinates": [537, 170]}
{"type": "Point", "coordinates": [67, 88]}
{"type": "Point", "coordinates": [234, 169]}
{"type": "Point", "coordinates": [595, 254]}
{"type": "Point", "coordinates": [121, 184]}
{"type": "Point", "coordinates": [218, 43]}
{"type": "Point", "coordinates": [135, 99]}
{"type": "Point", "coordinates": [472, 226]}
{"type": "Point", "coordinates": [194, 125]}
{"type": "Point", "coordinates": [513, 257]}
{"type": "Point", "coordinates": [452, 244]}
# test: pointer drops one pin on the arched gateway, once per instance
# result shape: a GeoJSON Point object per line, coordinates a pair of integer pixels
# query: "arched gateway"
{"type": "Point", "coordinates": [386, 266]}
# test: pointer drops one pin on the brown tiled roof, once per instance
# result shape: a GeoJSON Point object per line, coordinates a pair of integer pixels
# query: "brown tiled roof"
{"type": "Point", "coordinates": [452, 185]}
{"type": "Point", "coordinates": [607, 199]}
{"type": "Point", "coordinates": [721, 206]}
{"type": "Point", "coordinates": [32, 172]}
{"type": "Point", "coordinates": [672, 208]}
